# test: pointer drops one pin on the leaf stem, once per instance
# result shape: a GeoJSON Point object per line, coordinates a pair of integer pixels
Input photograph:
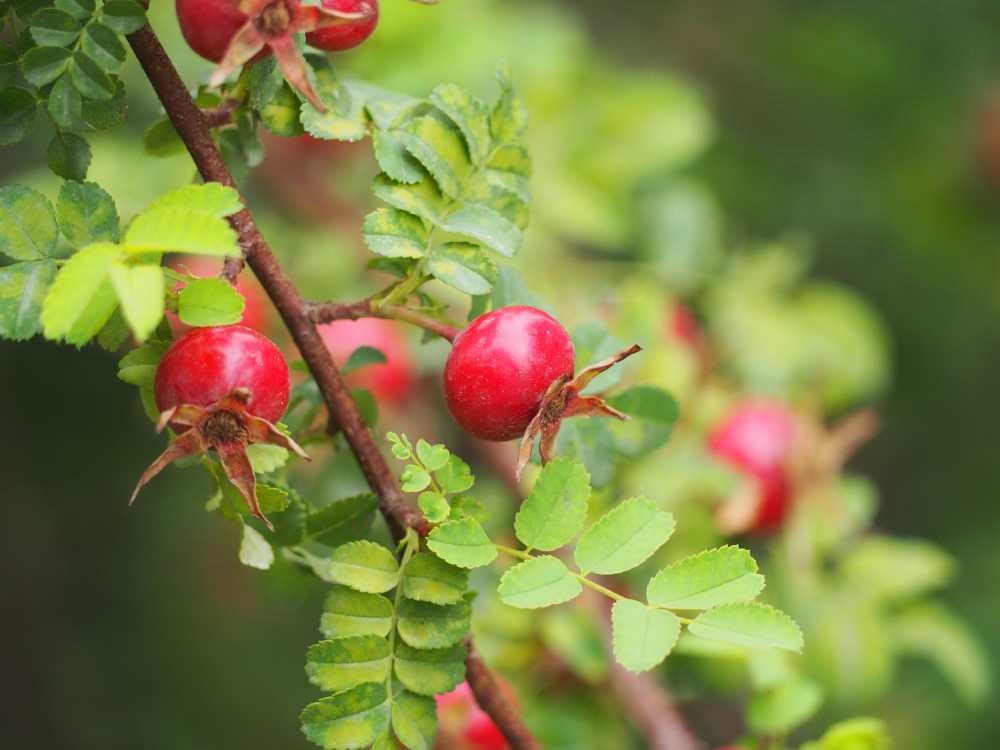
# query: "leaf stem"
{"type": "Point", "coordinates": [525, 555]}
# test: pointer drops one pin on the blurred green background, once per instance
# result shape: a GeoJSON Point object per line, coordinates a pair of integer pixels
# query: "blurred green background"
{"type": "Point", "coordinates": [863, 131]}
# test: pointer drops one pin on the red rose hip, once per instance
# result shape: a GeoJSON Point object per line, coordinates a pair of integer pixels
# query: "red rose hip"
{"type": "Point", "coordinates": [757, 437]}
{"type": "Point", "coordinates": [207, 364]}
{"type": "Point", "coordinates": [391, 381]}
{"type": "Point", "coordinates": [209, 26]}
{"type": "Point", "coordinates": [348, 35]}
{"type": "Point", "coordinates": [221, 389]}
{"type": "Point", "coordinates": [501, 366]}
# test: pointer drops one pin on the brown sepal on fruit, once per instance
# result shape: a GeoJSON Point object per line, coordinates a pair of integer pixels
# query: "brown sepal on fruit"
{"type": "Point", "coordinates": [563, 400]}
{"type": "Point", "coordinates": [227, 428]}
{"type": "Point", "coordinates": [274, 23]}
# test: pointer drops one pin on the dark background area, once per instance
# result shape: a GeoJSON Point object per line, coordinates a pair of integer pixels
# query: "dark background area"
{"type": "Point", "coordinates": [858, 124]}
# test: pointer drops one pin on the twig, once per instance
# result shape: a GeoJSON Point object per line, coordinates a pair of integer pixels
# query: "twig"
{"type": "Point", "coordinates": [190, 124]}
{"type": "Point", "coordinates": [216, 117]}
{"type": "Point", "coordinates": [490, 697]}
{"type": "Point", "coordinates": [324, 312]}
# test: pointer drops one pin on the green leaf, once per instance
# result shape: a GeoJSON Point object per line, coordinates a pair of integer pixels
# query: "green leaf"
{"type": "Point", "coordinates": [160, 139]}
{"type": "Point", "coordinates": [364, 566]}
{"type": "Point", "coordinates": [455, 476]}
{"type": "Point", "coordinates": [433, 457]}
{"type": "Point", "coordinates": [350, 720]}
{"type": "Point", "coordinates": [641, 636]}
{"type": "Point", "coordinates": [212, 199]}
{"type": "Point", "coordinates": [69, 155]}
{"type": "Point", "coordinates": [51, 26]}
{"type": "Point", "coordinates": [748, 624]}
{"type": "Point", "coordinates": [422, 198]}
{"type": "Point", "coordinates": [281, 113]}
{"type": "Point", "coordinates": [255, 552]}
{"type": "Point", "coordinates": [510, 116]}
{"type": "Point", "coordinates": [897, 569]}
{"type": "Point", "coordinates": [109, 114]}
{"type": "Point", "coordinates": [263, 79]}
{"type": "Point", "coordinates": [361, 357]}
{"type": "Point", "coordinates": [538, 582]}
{"type": "Point", "coordinates": [349, 612]}
{"type": "Point", "coordinates": [464, 266]}
{"type": "Point", "coordinates": [79, 9]}
{"type": "Point", "coordinates": [210, 302]}
{"type": "Point", "coordinates": [427, 578]}
{"type": "Point", "coordinates": [89, 79]}
{"type": "Point", "coordinates": [23, 287]}
{"type": "Point", "coordinates": [463, 543]}
{"type": "Point", "coordinates": [394, 159]}
{"type": "Point", "coordinates": [344, 119]}
{"type": "Point", "coordinates": [17, 114]}
{"type": "Point", "coordinates": [114, 334]}
{"type": "Point", "coordinates": [366, 404]}
{"type": "Point", "coordinates": [175, 229]}
{"type": "Point", "coordinates": [933, 633]}
{"type": "Point", "coordinates": [717, 576]}
{"type": "Point", "coordinates": [437, 145]}
{"type": "Point", "coordinates": [655, 411]}
{"type": "Point", "coordinates": [86, 214]}
{"type": "Point", "coordinates": [138, 367]}
{"type": "Point", "coordinates": [387, 109]}
{"type": "Point", "coordinates": [8, 65]}
{"type": "Point", "coordinates": [140, 291]}
{"type": "Point", "coordinates": [344, 663]}
{"type": "Point", "coordinates": [424, 625]}
{"type": "Point", "coordinates": [784, 707]}
{"type": "Point", "coordinates": [555, 510]}
{"type": "Point", "coordinates": [485, 225]}
{"type": "Point", "coordinates": [28, 229]}
{"type": "Point", "coordinates": [511, 158]}
{"type": "Point", "coordinates": [81, 299]}
{"type": "Point", "coordinates": [414, 479]}
{"type": "Point", "coordinates": [467, 506]}
{"type": "Point", "coordinates": [43, 65]}
{"type": "Point", "coordinates": [64, 104]}
{"type": "Point", "coordinates": [104, 47]}
{"type": "Point", "coordinates": [470, 115]}
{"type": "Point", "coordinates": [434, 506]}
{"type": "Point", "coordinates": [266, 458]}
{"type": "Point", "coordinates": [624, 537]}
{"type": "Point", "coordinates": [414, 720]}
{"type": "Point", "coordinates": [853, 734]}
{"type": "Point", "coordinates": [394, 234]}
{"type": "Point", "coordinates": [124, 16]}
{"type": "Point", "coordinates": [343, 520]}
{"type": "Point", "coordinates": [430, 671]}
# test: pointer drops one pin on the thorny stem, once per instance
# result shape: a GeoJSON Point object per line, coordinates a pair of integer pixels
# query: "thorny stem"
{"type": "Point", "coordinates": [191, 126]}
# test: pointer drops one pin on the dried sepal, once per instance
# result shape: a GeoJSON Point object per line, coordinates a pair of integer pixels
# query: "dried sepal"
{"type": "Point", "coordinates": [227, 428]}
{"type": "Point", "coordinates": [563, 400]}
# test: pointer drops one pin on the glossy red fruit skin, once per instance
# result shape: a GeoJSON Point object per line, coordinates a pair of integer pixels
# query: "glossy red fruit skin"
{"type": "Point", "coordinates": [501, 366]}
{"type": "Point", "coordinates": [209, 25]}
{"type": "Point", "coordinates": [483, 733]}
{"type": "Point", "coordinates": [207, 364]}
{"type": "Point", "coordinates": [256, 313]}
{"type": "Point", "coordinates": [348, 35]}
{"type": "Point", "coordinates": [757, 437]}
{"type": "Point", "coordinates": [391, 382]}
